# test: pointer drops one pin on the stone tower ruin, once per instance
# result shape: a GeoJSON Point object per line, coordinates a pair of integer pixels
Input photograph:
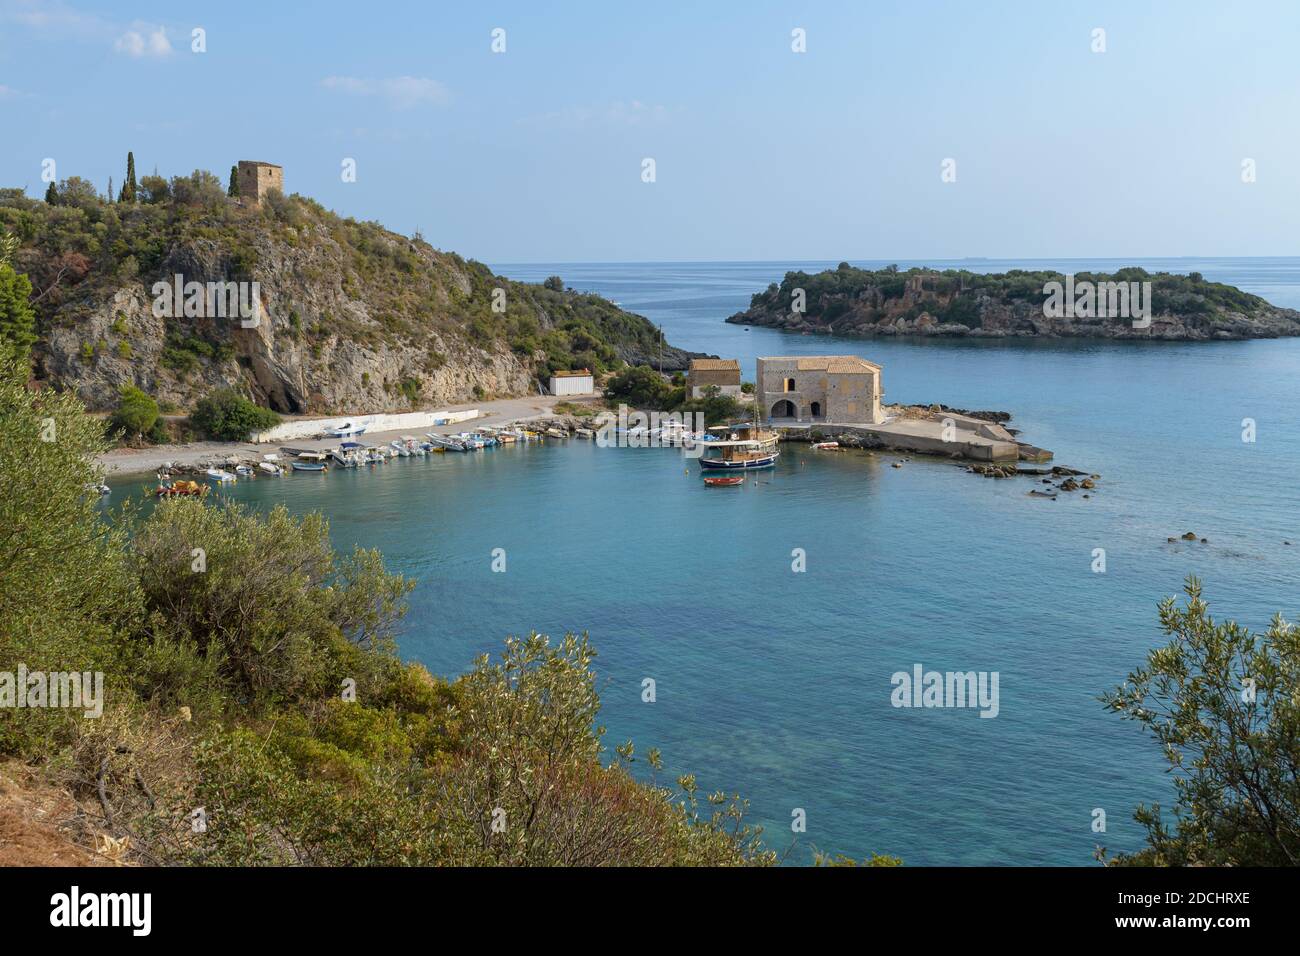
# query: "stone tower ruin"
{"type": "Point", "coordinates": [256, 179]}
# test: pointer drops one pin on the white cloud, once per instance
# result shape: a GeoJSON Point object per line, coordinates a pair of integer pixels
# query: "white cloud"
{"type": "Point", "coordinates": [144, 41]}
{"type": "Point", "coordinates": [401, 92]}
{"type": "Point", "coordinates": [8, 92]}
{"type": "Point", "coordinates": [45, 15]}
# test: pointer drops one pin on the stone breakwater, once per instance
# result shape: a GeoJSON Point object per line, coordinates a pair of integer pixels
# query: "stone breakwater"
{"type": "Point", "coordinates": [926, 429]}
{"type": "Point", "coordinates": [979, 436]}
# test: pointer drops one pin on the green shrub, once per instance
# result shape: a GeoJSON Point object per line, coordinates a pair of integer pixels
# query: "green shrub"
{"type": "Point", "coordinates": [136, 412]}
{"type": "Point", "coordinates": [639, 387]}
{"type": "Point", "coordinates": [225, 415]}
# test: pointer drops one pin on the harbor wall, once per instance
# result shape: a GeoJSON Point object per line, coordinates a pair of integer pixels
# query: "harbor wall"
{"type": "Point", "coordinates": [976, 447]}
{"type": "Point", "coordinates": [412, 421]}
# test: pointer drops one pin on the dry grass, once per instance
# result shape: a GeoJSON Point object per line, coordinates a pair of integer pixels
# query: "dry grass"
{"type": "Point", "coordinates": [41, 825]}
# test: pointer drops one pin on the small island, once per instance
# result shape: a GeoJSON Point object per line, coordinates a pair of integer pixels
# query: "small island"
{"type": "Point", "coordinates": [1020, 304]}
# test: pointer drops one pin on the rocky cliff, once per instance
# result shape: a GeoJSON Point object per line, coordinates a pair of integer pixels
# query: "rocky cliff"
{"type": "Point", "coordinates": [887, 302]}
{"type": "Point", "coordinates": [350, 316]}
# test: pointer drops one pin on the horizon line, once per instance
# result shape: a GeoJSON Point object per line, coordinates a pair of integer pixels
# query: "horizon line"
{"type": "Point", "coordinates": [887, 260]}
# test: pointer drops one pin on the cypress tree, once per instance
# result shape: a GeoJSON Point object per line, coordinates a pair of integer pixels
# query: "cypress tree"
{"type": "Point", "coordinates": [234, 183]}
{"type": "Point", "coordinates": [52, 194]}
{"type": "Point", "coordinates": [128, 187]}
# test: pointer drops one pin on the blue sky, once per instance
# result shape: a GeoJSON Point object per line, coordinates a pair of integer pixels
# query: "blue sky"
{"type": "Point", "coordinates": [535, 154]}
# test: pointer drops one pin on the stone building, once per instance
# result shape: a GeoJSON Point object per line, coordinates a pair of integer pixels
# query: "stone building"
{"type": "Point", "coordinates": [820, 388]}
{"type": "Point", "coordinates": [256, 179]}
{"type": "Point", "coordinates": [722, 373]}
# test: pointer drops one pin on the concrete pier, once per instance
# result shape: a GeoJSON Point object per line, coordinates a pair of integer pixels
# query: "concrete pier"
{"type": "Point", "coordinates": [941, 433]}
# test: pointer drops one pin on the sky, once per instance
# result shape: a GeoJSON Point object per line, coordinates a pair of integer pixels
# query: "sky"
{"type": "Point", "coordinates": [909, 130]}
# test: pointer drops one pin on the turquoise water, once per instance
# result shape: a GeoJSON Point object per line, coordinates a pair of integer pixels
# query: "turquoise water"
{"type": "Point", "coordinates": [777, 684]}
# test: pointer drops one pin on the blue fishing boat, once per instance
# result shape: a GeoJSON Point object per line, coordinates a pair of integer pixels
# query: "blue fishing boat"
{"type": "Point", "coordinates": [308, 466]}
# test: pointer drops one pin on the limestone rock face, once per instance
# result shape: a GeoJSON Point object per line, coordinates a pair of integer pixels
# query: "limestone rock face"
{"type": "Point", "coordinates": [351, 318]}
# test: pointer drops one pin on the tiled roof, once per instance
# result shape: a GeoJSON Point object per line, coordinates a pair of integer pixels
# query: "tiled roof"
{"type": "Point", "coordinates": [573, 374]}
{"type": "Point", "coordinates": [851, 367]}
{"type": "Point", "coordinates": [829, 363]}
{"type": "Point", "coordinates": [715, 365]}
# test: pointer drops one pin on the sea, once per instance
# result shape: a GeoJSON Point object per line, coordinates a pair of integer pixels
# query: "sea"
{"type": "Point", "coordinates": [753, 634]}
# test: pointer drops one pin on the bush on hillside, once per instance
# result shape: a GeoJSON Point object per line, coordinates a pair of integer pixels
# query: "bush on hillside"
{"type": "Point", "coordinates": [136, 413]}
{"type": "Point", "coordinates": [225, 415]}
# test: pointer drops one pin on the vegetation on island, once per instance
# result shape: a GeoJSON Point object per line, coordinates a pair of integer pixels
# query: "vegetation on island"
{"type": "Point", "coordinates": [851, 299]}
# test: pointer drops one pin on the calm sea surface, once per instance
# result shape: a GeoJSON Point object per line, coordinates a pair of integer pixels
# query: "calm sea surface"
{"type": "Point", "coordinates": [777, 684]}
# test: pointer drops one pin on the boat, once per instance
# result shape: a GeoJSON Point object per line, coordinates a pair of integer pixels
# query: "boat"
{"type": "Point", "coordinates": [470, 440]}
{"type": "Point", "coordinates": [308, 466]}
{"type": "Point", "coordinates": [244, 471]}
{"type": "Point", "coordinates": [445, 442]}
{"type": "Point", "coordinates": [345, 430]}
{"type": "Point", "coordinates": [415, 446]}
{"type": "Point", "coordinates": [183, 489]}
{"type": "Point", "coordinates": [724, 480]}
{"type": "Point", "coordinates": [217, 476]}
{"type": "Point", "coordinates": [676, 434]}
{"type": "Point", "coordinates": [400, 448]}
{"type": "Point", "coordinates": [270, 468]}
{"type": "Point", "coordinates": [826, 445]}
{"type": "Point", "coordinates": [746, 446]}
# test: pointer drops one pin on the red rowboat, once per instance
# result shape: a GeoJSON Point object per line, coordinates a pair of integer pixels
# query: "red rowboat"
{"type": "Point", "coordinates": [724, 479]}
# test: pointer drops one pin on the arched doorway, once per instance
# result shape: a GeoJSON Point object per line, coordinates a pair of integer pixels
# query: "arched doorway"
{"type": "Point", "coordinates": [815, 409]}
{"type": "Point", "coordinates": [783, 409]}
